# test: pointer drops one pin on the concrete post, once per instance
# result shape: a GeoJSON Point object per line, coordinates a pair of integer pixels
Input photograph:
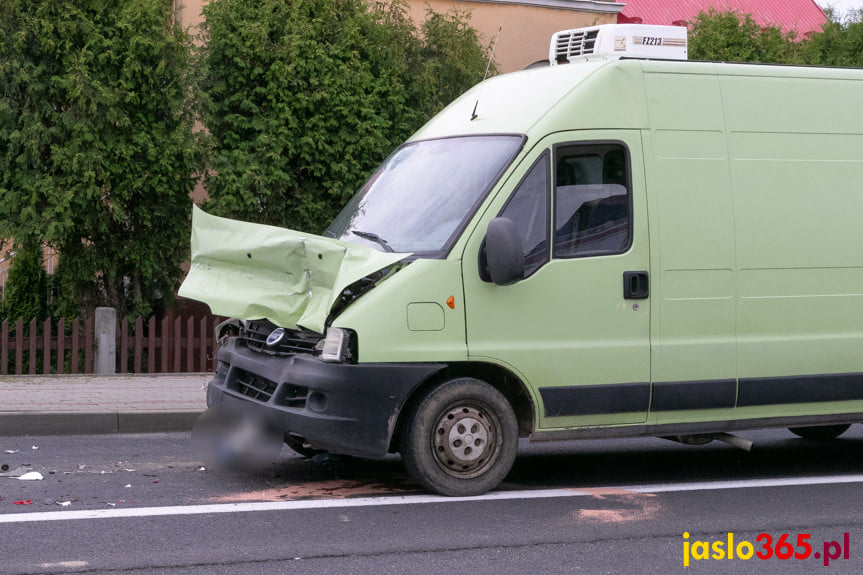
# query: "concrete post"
{"type": "Point", "coordinates": [105, 325]}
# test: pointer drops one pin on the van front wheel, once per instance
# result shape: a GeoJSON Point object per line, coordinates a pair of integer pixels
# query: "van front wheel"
{"type": "Point", "coordinates": [820, 433]}
{"type": "Point", "coordinates": [461, 439]}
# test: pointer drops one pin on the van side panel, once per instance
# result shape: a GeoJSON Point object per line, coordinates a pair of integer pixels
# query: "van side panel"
{"type": "Point", "coordinates": [796, 147]}
{"type": "Point", "coordinates": [754, 176]}
{"type": "Point", "coordinates": [692, 246]}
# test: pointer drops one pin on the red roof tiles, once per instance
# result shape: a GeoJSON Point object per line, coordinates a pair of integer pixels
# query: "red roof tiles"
{"type": "Point", "coordinates": [801, 15]}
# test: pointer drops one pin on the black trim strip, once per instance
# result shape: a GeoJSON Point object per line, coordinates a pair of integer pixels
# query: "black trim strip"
{"type": "Point", "coordinates": [800, 389]}
{"type": "Point", "coordinates": [641, 430]}
{"type": "Point", "coordinates": [706, 394]}
{"type": "Point", "coordinates": [682, 395]}
{"type": "Point", "coordinates": [595, 399]}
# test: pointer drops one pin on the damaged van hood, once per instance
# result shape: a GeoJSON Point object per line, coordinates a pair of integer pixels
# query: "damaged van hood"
{"type": "Point", "coordinates": [253, 271]}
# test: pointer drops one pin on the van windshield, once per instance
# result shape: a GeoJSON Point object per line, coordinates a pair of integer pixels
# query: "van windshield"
{"type": "Point", "coordinates": [424, 193]}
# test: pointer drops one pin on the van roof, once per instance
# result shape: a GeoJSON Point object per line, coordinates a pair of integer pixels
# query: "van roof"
{"type": "Point", "coordinates": [589, 95]}
{"type": "Point", "coordinates": [510, 103]}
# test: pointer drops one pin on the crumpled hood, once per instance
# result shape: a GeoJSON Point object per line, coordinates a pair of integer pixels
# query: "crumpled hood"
{"type": "Point", "coordinates": [253, 271]}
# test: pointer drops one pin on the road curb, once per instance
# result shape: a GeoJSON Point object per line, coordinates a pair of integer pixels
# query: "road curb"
{"type": "Point", "coordinates": [63, 423]}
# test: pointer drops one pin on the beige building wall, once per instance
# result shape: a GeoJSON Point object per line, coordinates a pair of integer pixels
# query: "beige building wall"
{"type": "Point", "coordinates": [189, 12]}
{"type": "Point", "coordinates": [525, 26]}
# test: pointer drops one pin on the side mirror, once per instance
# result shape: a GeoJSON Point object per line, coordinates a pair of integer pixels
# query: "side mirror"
{"type": "Point", "coordinates": [503, 253]}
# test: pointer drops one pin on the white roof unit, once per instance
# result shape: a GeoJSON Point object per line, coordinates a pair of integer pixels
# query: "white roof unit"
{"type": "Point", "coordinates": [617, 41]}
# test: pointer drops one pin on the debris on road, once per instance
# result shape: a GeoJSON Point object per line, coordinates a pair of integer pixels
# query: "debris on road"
{"type": "Point", "coordinates": [23, 502]}
{"type": "Point", "coordinates": [31, 476]}
{"type": "Point", "coordinates": [12, 451]}
{"type": "Point", "coordinates": [15, 473]}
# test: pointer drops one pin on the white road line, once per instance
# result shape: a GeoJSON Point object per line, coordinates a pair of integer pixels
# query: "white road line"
{"type": "Point", "coordinates": [415, 499]}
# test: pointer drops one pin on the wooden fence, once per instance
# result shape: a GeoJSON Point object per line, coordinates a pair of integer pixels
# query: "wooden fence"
{"type": "Point", "coordinates": [167, 345]}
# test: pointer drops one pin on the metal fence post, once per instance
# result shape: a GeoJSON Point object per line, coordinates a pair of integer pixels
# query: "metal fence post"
{"type": "Point", "coordinates": [105, 328]}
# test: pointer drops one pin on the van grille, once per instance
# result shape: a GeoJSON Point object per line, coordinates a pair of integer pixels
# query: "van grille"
{"type": "Point", "coordinates": [262, 389]}
{"type": "Point", "coordinates": [254, 334]}
{"type": "Point", "coordinates": [574, 43]}
{"type": "Point", "coordinates": [255, 387]}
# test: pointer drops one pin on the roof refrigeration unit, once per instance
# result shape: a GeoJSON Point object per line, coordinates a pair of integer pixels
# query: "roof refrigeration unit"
{"type": "Point", "coordinates": [617, 41]}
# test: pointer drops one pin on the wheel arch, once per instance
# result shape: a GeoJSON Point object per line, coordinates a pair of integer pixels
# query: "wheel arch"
{"type": "Point", "coordinates": [502, 379]}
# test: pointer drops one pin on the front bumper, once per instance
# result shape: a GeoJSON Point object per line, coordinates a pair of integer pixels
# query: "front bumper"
{"type": "Point", "coordinates": [342, 408]}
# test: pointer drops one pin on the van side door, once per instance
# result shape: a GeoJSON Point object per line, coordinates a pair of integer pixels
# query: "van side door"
{"type": "Point", "coordinates": [576, 328]}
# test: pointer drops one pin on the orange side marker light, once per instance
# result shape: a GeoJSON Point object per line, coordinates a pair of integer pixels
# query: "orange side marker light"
{"type": "Point", "coordinates": [450, 301]}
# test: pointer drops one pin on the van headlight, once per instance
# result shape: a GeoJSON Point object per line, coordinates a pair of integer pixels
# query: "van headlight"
{"type": "Point", "coordinates": [336, 346]}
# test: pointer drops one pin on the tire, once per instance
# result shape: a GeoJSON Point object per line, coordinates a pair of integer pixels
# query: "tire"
{"type": "Point", "coordinates": [820, 433]}
{"type": "Point", "coordinates": [461, 439]}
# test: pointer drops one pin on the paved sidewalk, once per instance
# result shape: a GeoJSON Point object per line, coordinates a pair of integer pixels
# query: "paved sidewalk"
{"type": "Point", "coordinates": [82, 404]}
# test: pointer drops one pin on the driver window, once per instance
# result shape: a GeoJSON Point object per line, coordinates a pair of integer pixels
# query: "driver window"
{"type": "Point", "coordinates": [591, 201]}
{"type": "Point", "coordinates": [528, 209]}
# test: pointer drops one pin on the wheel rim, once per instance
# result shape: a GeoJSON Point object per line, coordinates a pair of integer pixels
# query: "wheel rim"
{"type": "Point", "coordinates": [466, 440]}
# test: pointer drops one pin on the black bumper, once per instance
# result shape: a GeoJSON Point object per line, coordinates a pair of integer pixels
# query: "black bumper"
{"type": "Point", "coordinates": [342, 408]}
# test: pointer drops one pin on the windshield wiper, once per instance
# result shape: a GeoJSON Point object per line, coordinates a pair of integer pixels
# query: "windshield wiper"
{"type": "Point", "coordinates": [375, 238]}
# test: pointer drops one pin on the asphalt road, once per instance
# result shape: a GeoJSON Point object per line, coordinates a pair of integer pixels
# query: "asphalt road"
{"type": "Point", "coordinates": [578, 507]}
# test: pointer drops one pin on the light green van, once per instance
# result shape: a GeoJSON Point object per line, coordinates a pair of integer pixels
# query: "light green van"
{"type": "Point", "coordinates": [608, 248]}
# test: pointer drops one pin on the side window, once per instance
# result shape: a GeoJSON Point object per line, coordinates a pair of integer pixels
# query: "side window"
{"type": "Point", "coordinates": [528, 209]}
{"type": "Point", "coordinates": [591, 200]}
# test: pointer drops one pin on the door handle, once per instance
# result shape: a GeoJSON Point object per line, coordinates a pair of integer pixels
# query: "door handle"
{"type": "Point", "coordinates": [636, 285]}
